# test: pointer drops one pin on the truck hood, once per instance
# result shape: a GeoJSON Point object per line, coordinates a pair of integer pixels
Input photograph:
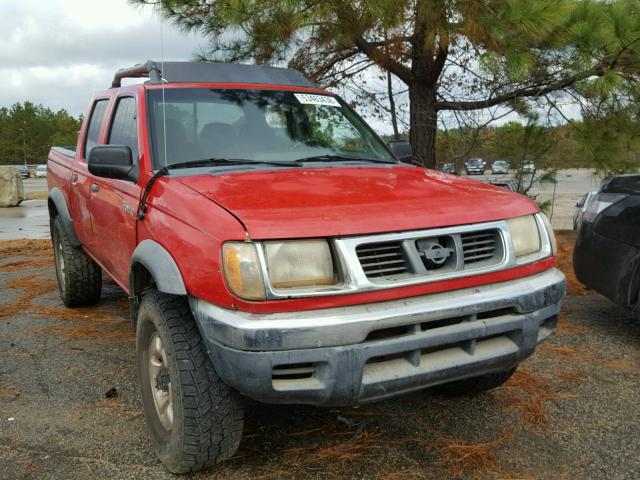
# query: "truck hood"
{"type": "Point", "coordinates": [335, 201]}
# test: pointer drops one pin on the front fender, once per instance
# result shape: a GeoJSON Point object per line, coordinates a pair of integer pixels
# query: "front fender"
{"type": "Point", "coordinates": [160, 264]}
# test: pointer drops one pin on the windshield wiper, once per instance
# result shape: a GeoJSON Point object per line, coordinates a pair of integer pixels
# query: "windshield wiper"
{"type": "Point", "coordinates": [143, 205]}
{"type": "Point", "coordinates": [342, 158]}
{"type": "Point", "coordinates": [229, 161]}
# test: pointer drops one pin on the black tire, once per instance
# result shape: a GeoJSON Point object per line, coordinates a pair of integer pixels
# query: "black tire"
{"type": "Point", "coordinates": [474, 385]}
{"type": "Point", "coordinates": [79, 277]}
{"type": "Point", "coordinates": [207, 416]}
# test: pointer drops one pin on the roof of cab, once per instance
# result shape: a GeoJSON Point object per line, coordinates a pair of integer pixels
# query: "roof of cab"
{"type": "Point", "coordinates": [201, 72]}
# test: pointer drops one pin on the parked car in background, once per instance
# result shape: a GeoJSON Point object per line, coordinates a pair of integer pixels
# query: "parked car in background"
{"type": "Point", "coordinates": [507, 185]}
{"type": "Point", "coordinates": [273, 248]}
{"type": "Point", "coordinates": [402, 150]}
{"type": "Point", "coordinates": [606, 256]}
{"type": "Point", "coordinates": [449, 168]}
{"type": "Point", "coordinates": [528, 167]}
{"type": "Point", "coordinates": [580, 205]}
{"type": "Point", "coordinates": [475, 166]}
{"type": "Point", "coordinates": [41, 171]}
{"type": "Point", "coordinates": [23, 170]}
{"type": "Point", "coordinates": [500, 167]}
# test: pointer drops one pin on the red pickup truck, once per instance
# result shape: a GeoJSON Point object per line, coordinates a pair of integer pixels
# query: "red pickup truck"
{"type": "Point", "coordinates": [273, 247]}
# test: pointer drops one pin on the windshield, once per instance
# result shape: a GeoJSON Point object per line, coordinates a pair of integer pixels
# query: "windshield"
{"type": "Point", "coordinates": [256, 125]}
{"type": "Point", "coordinates": [500, 163]}
{"type": "Point", "coordinates": [475, 161]}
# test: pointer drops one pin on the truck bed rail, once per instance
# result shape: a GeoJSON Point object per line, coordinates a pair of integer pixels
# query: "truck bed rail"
{"type": "Point", "coordinates": [67, 151]}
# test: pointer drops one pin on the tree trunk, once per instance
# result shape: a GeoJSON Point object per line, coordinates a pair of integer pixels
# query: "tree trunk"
{"type": "Point", "coordinates": [392, 108]}
{"type": "Point", "coordinates": [423, 119]}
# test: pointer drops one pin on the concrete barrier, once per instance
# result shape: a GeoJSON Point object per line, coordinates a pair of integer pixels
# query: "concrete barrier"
{"type": "Point", "coordinates": [11, 188]}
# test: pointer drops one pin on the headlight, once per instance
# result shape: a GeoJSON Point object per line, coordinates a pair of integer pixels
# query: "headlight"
{"type": "Point", "coordinates": [299, 263]}
{"type": "Point", "coordinates": [532, 237]}
{"type": "Point", "coordinates": [550, 233]}
{"type": "Point", "coordinates": [524, 235]}
{"type": "Point", "coordinates": [242, 270]}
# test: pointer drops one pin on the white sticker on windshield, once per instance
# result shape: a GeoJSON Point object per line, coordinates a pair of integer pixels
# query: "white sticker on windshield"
{"type": "Point", "coordinates": [310, 99]}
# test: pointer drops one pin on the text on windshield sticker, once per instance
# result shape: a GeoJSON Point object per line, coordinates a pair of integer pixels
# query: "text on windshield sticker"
{"type": "Point", "coordinates": [310, 99]}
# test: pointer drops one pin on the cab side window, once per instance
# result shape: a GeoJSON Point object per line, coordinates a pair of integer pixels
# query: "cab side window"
{"type": "Point", "coordinates": [95, 122]}
{"type": "Point", "coordinates": [124, 128]}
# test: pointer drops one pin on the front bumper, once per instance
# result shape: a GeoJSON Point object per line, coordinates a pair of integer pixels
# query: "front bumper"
{"type": "Point", "coordinates": [368, 352]}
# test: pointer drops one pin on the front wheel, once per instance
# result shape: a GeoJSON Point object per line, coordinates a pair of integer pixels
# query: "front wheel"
{"type": "Point", "coordinates": [194, 419]}
{"type": "Point", "coordinates": [474, 385]}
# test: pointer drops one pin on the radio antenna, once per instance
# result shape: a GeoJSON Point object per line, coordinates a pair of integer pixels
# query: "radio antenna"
{"type": "Point", "coordinates": [164, 112]}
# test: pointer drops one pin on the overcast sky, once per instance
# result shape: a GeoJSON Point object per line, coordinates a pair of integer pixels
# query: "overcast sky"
{"type": "Point", "coordinates": [59, 52]}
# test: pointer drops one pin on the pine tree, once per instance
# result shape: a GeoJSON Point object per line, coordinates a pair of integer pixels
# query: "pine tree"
{"type": "Point", "coordinates": [453, 55]}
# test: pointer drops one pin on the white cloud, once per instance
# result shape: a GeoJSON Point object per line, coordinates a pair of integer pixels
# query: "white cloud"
{"type": "Point", "coordinates": [59, 52]}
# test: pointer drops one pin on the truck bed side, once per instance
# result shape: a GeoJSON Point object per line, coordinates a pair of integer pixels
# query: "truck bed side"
{"type": "Point", "coordinates": [59, 170]}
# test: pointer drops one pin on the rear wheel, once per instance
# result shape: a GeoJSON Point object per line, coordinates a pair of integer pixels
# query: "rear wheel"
{"type": "Point", "coordinates": [474, 385]}
{"type": "Point", "coordinates": [79, 277]}
{"type": "Point", "coordinates": [194, 419]}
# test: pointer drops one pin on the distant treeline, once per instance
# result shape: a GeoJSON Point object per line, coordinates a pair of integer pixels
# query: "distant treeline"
{"type": "Point", "coordinates": [28, 130]}
{"type": "Point", "coordinates": [609, 144]}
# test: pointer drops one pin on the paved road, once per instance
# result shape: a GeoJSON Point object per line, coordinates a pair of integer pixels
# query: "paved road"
{"type": "Point", "coordinates": [28, 220]}
{"type": "Point", "coordinates": [34, 185]}
{"type": "Point", "coordinates": [570, 412]}
{"type": "Point", "coordinates": [571, 185]}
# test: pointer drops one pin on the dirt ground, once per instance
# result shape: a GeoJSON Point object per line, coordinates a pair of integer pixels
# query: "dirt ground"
{"type": "Point", "coordinates": [571, 410]}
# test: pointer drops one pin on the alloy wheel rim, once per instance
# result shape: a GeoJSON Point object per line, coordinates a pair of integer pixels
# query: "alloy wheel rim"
{"type": "Point", "coordinates": [60, 264]}
{"type": "Point", "coordinates": [160, 382]}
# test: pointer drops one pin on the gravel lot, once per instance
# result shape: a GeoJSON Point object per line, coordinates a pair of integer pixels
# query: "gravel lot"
{"type": "Point", "coordinates": [571, 411]}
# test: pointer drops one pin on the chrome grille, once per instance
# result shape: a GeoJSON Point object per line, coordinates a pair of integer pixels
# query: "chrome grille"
{"type": "Point", "coordinates": [479, 246]}
{"type": "Point", "coordinates": [382, 259]}
{"type": "Point", "coordinates": [430, 256]}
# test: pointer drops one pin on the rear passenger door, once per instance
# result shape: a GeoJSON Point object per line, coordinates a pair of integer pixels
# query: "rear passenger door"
{"type": "Point", "coordinates": [115, 202]}
{"type": "Point", "coordinates": [81, 179]}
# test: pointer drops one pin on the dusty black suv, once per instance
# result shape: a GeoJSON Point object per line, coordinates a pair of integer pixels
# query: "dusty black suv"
{"type": "Point", "coordinates": [606, 257]}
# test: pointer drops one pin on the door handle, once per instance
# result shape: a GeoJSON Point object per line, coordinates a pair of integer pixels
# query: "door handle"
{"type": "Point", "coordinates": [74, 177]}
{"type": "Point", "coordinates": [95, 187]}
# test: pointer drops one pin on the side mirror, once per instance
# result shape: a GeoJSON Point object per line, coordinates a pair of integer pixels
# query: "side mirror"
{"type": "Point", "coordinates": [112, 161]}
{"type": "Point", "coordinates": [402, 151]}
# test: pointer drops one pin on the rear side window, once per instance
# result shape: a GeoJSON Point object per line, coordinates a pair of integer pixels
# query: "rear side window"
{"type": "Point", "coordinates": [95, 122]}
{"type": "Point", "coordinates": [629, 184]}
{"type": "Point", "coordinates": [124, 129]}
